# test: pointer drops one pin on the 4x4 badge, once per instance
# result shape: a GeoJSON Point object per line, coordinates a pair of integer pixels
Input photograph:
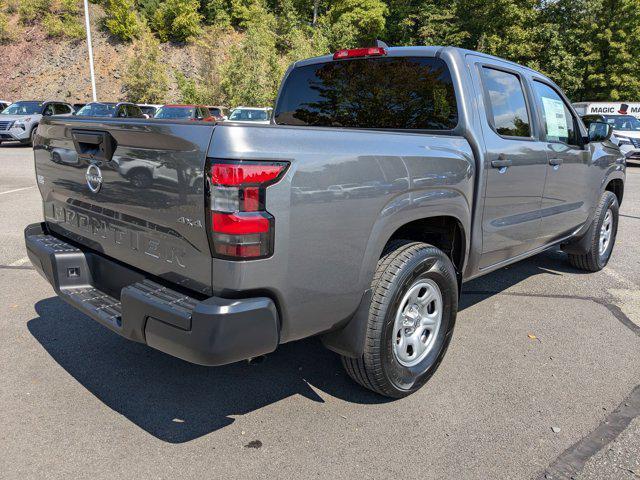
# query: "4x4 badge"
{"type": "Point", "coordinates": [94, 178]}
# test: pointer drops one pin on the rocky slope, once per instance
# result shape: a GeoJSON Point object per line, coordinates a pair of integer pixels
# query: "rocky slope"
{"type": "Point", "coordinates": [37, 67]}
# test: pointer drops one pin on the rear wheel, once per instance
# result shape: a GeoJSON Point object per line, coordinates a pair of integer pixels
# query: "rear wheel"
{"type": "Point", "coordinates": [411, 319]}
{"type": "Point", "coordinates": [602, 236]}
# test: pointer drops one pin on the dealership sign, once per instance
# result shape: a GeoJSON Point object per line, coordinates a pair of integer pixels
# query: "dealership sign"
{"type": "Point", "coordinates": [614, 109]}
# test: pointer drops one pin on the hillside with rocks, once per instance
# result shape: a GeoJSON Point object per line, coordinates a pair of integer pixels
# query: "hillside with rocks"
{"type": "Point", "coordinates": [37, 67]}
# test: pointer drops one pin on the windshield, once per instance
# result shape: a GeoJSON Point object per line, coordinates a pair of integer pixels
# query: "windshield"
{"type": "Point", "coordinates": [176, 112]}
{"type": "Point", "coordinates": [625, 123]}
{"type": "Point", "coordinates": [249, 115]}
{"type": "Point", "coordinates": [23, 108]}
{"type": "Point", "coordinates": [97, 110]}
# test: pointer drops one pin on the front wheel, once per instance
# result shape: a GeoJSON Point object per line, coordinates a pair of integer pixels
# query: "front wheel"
{"type": "Point", "coordinates": [411, 319]}
{"type": "Point", "coordinates": [602, 236]}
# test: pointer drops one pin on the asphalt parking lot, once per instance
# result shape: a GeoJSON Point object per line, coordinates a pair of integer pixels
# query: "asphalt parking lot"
{"type": "Point", "coordinates": [542, 381]}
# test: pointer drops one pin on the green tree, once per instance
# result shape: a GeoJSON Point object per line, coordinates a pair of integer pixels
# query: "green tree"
{"type": "Point", "coordinates": [145, 78]}
{"type": "Point", "coordinates": [121, 19]}
{"type": "Point", "coordinates": [6, 33]}
{"type": "Point", "coordinates": [30, 11]}
{"type": "Point", "coordinates": [177, 20]}
{"type": "Point", "coordinates": [610, 60]}
{"type": "Point", "coordinates": [217, 12]}
{"type": "Point", "coordinates": [251, 75]}
{"type": "Point", "coordinates": [354, 23]}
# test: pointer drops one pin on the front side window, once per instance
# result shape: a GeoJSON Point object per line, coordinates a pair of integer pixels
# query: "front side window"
{"type": "Point", "coordinates": [508, 107]}
{"type": "Point", "coordinates": [413, 93]}
{"type": "Point", "coordinates": [61, 109]}
{"type": "Point", "coordinates": [558, 119]}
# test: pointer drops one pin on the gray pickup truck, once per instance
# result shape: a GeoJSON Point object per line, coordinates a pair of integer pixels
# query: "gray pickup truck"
{"type": "Point", "coordinates": [386, 179]}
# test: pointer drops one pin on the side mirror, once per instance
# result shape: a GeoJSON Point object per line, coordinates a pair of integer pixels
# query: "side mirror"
{"type": "Point", "coordinates": [599, 131]}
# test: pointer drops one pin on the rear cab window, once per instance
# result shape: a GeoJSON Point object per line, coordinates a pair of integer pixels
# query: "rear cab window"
{"type": "Point", "coordinates": [408, 93]}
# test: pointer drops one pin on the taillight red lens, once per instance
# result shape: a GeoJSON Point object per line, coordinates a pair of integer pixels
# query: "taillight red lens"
{"type": "Point", "coordinates": [359, 52]}
{"type": "Point", "coordinates": [241, 227]}
{"type": "Point", "coordinates": [234, 174]}
{"type": "Point", "coordinates": [240, 224]}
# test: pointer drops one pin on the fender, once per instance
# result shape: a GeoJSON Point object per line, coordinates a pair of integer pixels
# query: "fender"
{"type": "Point", "coordinates": [349, 339]}
{"type": "Point", "coordinates": [409, 207]}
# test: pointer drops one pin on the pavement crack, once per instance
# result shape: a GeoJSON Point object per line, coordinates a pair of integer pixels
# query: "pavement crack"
{"type": "Point", "coordinates": [615, 310]}
{"type": "Point", "coordinates": [573, 459]}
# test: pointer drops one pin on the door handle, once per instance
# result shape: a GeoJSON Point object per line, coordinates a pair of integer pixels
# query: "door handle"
{"type": "Point", "coordinates": [501, 163]}
{"type": "Point", "coordinates": [556, 162]}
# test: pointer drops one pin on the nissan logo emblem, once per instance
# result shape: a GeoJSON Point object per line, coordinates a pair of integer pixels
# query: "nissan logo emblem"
{"type": "Point", "coordinates": [94, 178]}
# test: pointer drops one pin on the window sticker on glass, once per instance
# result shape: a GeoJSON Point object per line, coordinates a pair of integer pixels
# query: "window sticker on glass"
{"type": "Point", "coordinates": [555, 117]}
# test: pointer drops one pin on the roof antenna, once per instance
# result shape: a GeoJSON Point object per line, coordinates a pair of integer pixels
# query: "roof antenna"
{"type": "Point", "coordinates": [381, 44]}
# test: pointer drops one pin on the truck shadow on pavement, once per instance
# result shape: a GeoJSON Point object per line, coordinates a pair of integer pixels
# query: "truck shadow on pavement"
{"type": "Point", "coordinates": [176, 401]}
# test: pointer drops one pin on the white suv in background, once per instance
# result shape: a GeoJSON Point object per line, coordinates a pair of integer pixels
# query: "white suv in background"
{"type": "Point", "coordinates": [19, 121]}
{"type": "Point", "coordinates": [251, 115]}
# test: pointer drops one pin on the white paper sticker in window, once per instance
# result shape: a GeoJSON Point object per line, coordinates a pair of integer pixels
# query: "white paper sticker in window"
{"type": "Point", "coordinates": [555, 118]}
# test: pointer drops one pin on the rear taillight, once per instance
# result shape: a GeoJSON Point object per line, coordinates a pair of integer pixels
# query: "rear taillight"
{"type": "Point", "coordinates": [240, 225]}
{"type": "Point", "coordinates": [359, 52]}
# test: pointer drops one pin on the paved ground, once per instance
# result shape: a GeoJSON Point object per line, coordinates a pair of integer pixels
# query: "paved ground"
{"type": "Point", "coordinates": [541, 381]}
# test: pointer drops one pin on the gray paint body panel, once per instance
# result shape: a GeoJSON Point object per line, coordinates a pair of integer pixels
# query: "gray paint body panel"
{"type": "Point", "coordinates": [345, 193]}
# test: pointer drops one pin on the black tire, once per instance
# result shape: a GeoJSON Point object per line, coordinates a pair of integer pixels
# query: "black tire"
{"type": "Point", "coordinates": [403, 264]}
{"type": "Point", "coordinates": [593, 261]}
{"type": "Point", "coordinates": [140, 178]}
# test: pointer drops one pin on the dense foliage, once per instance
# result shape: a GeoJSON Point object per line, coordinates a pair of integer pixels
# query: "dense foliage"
{"type": "Point", "coordinates": [589, 47]}
{"type": "Point", "coordinates": [146, 79]}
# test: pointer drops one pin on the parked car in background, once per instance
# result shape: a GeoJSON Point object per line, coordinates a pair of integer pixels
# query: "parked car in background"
{"type": "Point", "coordinates": [626, 128]}
{"type": "Point", "coordinates": [20, 120]}
{"type": "Point", "coordinates": [184, 112]}
{"type": "Point", "coordinates": [467, 163]}
{"type": "Point", "coordinates": [149, 109]}
{"type": "Point", "coordinates": [4, 104]}
{"type": "Point", "coordinates": [219, 113]}
{"type": "Point", "coordinates": [111, 110]}
{"type": "Point", "coordinates": [78, 106]}
{"type": "Point", "coordinates": [251, 115]}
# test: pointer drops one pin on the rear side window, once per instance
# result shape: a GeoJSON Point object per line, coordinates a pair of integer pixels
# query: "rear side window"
{"type": "Point", "coordinates": [508, 106]}
{"type": "Point", "coordinates": [387, 92]}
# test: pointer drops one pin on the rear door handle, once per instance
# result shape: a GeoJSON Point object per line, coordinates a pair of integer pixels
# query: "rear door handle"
{"type": "Point", "coordinates": [501, 163]}
{"type": "Point", "coordinates": [555, 162]}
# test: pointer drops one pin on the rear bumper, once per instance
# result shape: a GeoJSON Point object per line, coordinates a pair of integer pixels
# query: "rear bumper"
{"type": "Point", "coordinates": [214, 331]}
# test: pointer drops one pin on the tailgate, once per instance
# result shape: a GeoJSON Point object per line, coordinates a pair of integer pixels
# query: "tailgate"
{"type": "Point", "coordinates": [130, 189]}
